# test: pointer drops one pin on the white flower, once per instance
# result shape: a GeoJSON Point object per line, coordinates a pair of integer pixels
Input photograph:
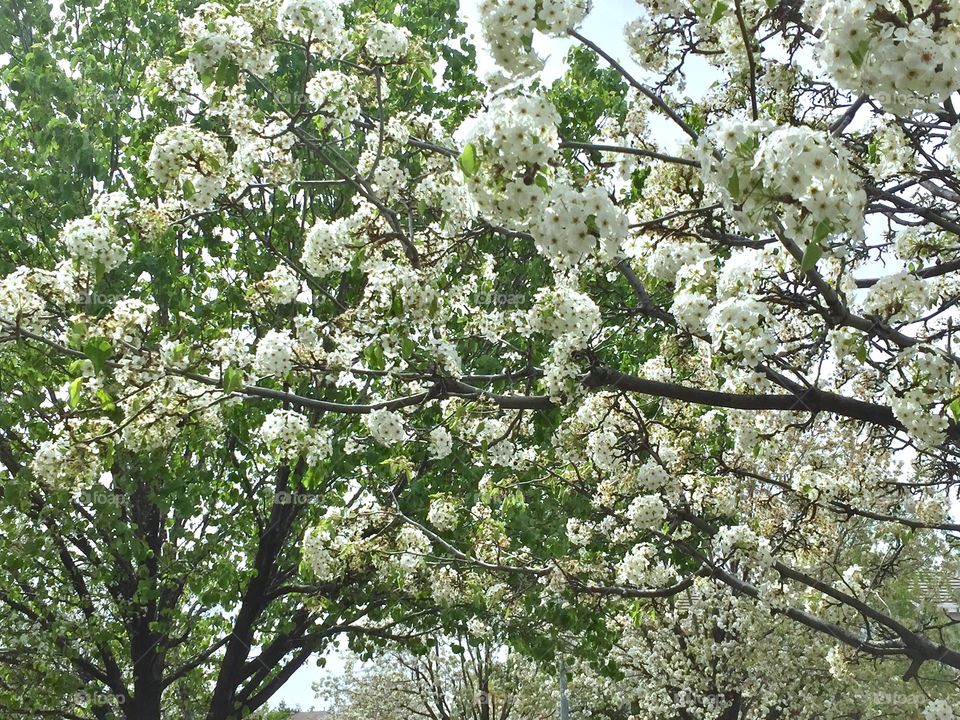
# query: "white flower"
{"type": "Point", "coordinates": [443, 513]}
{"type": "Point", "coordinates": [926, 427]}
{"type": "Point", "coordinates": [190, 163]}
{"type": "Point", "coordinates": [938, 710]}
{"type": "Point", "coordinates": [772, 177]}
{"type": "Point", "coordinates": [635, 565]}
{"type": "Point", "coordinates": [386, 42]}
{"type": "Point", "coordinates": [275, 353]}
{"type": "Point", "coordinates": [741, 325]}
{"type": "Point", "coordinates": [318, 20]}
{"type": "Point", "coordinates": [647, 512]}
{"type": "Point", "coordinates": [282, 284]}
{"type": "Point", "coordinates": [385, 426]}
{"type": "Point", "coordinates": [91, 240]}
{"type": "Point", "coordinates": [508, 27]}
{"type": "Point", "coordinates": [901, 296]}
{"type": "Point", "coordinates": [905, 66]}
{"type": "Point", "coordinates": [579, 533]}
{"type": "Point", "coordinates": [332, 94]}
{"type": "Point", "coordinates": [563, 312]}
{"type": "Point", "coordinates": [325, 249]}
{"type": "Point", "coordinates": [284, 430]}
{"type": "Point", "coordinates": [441, 443]}
{"type": "Point", "coordinates": [213, 35]}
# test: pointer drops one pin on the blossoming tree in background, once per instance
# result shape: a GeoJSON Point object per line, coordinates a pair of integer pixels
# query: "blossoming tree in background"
{"type": "Point", "coordinates": [348, 341]}
{"type": "Point", "coordinates": [454, 680]}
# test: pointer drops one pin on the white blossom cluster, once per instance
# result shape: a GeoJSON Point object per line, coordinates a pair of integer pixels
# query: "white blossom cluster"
{"type": "Point", "coordinates": [92, 242]}
{"type": "Point", "coordinates": [333, 95]}
{"type": "Point", "coordinates": [564, 312]}
{"type": "Point", "coordinates": [572, 222]}
{"type": "Point", "coordinates": [389, 178]}
{"type": "Point", "coordinates": [446, 587]}
{"type": "Point", "coordinates": [640, 567]}
{"type": "Point", "coordinates": [342, 538]}
{"type": "Point", "coordinates": [22, 301]}
{"type": "Point", "coordinates": [602, 449]}
{"type": "Point", "coordinates": [280, 286]}
{"type": "Point", "coordinates": [873, 47]}
{"type": "Point", "coordinates": [71, 458]}
{"type": "Point", "coordinates": [263, 150]}
{"type": "Point", "coordinates": [508, 27]}
{"type": "Point", "coordinates": [326, 248]}
{"type": "Point", "coordinates": [190, 163]}
{"type": "Point", "coordinates": [446, 191]}
{"type": "Point", "coordinates": [441, 443]}
{"type": "Point", "coordinates": [571, 318]}
{"type": "Point", "coordinates": [275, 354]}
{"type": "Point", "coordinates": [512, 146]}
{"type": "Point", "coordinates": [386, 42]}
{"type": "Point", "coordinates": [579, 533]}
{"type": "Point", "coordinates": [319, 21]}
{"type": "Point", "coordinates": [647, 512]}
{"type": "Point", "coordinates": [889, 152]}
{"type": "Point", "coordinates": [913, 409]}
{"type": "Point", "coordinates": [285, 430]}
{"type": "Point", "coordinates": [742, 542]}
{"type": "Point", "coordinates": [938, 710]}
{"type": "Point", "coordinates": [711, 641]}
{"type": "Point", "coordinates": [898, 297]}
{"type": "Point", "coordinates": [413, 548]}
{"type": "Point", "coordinates": [129, 321]}
{"type": "Point", "coordinates": [385, 426]}
{"type": "Point", "coordinates": [322, 547]}
{"type": "Point", "coordinates": [771, 176]}
{"type": "Point", "coordinates": [514, 140]}
{"type": "Point", "coordinates": [817, 484]}
{"type": "Point", "coordinates": [742, 325]}
{"type": "Point", "coordinates": [157, 415]}
{"type": "Point", "coordinates": [213, 35]}
{"type": "Point", "coordinates": [288, 435]}
{"type": "Point", "coordinates": [443, 513]}
{"type": "Point", "coordinates": [668, 255]}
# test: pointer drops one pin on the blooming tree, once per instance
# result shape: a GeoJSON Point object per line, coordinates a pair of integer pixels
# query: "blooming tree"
{"type": "Point", "coordinates": [596, 359]}
{"type": "Point", "coordinates": [452, 681]}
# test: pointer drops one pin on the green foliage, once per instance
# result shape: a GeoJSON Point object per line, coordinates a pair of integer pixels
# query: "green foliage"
{"type": "Point", "coordinates": [586, 95]}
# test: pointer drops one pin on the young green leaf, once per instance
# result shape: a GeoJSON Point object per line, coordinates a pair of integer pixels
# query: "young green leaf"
{"type": "Point", "coordinates": [811, 255]}
{"type": "Point", "coordinates": [75, 387]}
{"type": "Point", "coordinates": [469, 162]}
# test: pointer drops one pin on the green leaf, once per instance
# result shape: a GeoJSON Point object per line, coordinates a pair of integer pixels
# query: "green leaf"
{"type": "Point", "coordinates": [955, 409]}
{"type": "Point", "coordinates": [861, 353]}
{"type": "Point", "coordinates": [106, 402]}
{"type": "Point", "coordinates": [228, 73]}
{"type": "Point", "coordinates": [75, 386]}
{"type": "Point", "coordinates": [374, 357]}
{"type": "Point", "coordinates": [733, 185]}
{"type": "Point", "coordinates": [719, 10]}
{"type": "Point", "coordinates": [98, 350]}
{"type": "Point", "coordinates": [469, 162]}
{"type": "Point", "coordinates": [188, 189]}
{"type": "Point", "coordinates": [810, 257]}
{"type": "Point", "coordinates": [859, 54]}
{"type": "Point", "coordinates": [487, 365]}
{"type": "Point", "coordinates": [822, 230]}
{"type": "Point", "coordinates": [232, 380]}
